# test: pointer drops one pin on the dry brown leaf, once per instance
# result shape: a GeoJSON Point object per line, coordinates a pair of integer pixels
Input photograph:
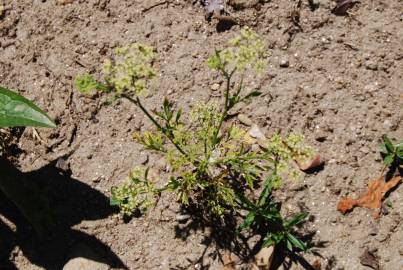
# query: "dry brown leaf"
{"type": "Point", "coordinates": [369, 259]}
{"type": "Point", "coordinates": [372, 199]}
{"type": "Point", "coordinates": [317, 265]}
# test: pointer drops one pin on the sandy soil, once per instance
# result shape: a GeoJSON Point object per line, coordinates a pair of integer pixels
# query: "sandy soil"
{"type": "Point", "coordinates": [342, 89]}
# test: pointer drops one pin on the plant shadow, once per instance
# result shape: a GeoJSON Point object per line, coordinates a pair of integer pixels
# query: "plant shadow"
{"type": "Point", "coordinates": [60, 202]}
{"type": "Point", "coordinates": [286, 259]}
{"type": "Point", "coordinates": [219, 234]}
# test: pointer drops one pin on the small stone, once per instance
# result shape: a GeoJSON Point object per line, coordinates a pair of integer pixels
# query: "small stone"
{"type": "Point", "coordinates": [236, 109]}
{"type": "Point", "coordinates": [263, 143]}
{"type": "Point", "coordinates": [256, 133]}
{"type": "Point", "coordinates": [325, 40]}
{"type": "Point", "coordinates": [255, 147]}
{"type": "Point", "coordinates": [401, 251]}
{"type": "Point", "coordinates": [265, 257]}
{"type": "Point", "coordinates": [245, 120]}
{"type": "Point", "coordinates": [62, 164]}
{"type": "Point", "coordinates": [365, 150]}
{"type": "Point", "coordinates": [332, 161]}
{"type": "Point", "coordinates": [83, 263]}
{"type": "Point", "coordinates": [320, 136]}
{"type": "Point", "coordinates": [284, 63]}
{"type": "Point", "coordinates": [64, 2]}
{"type": "Point", "coordinates": [215, 87]}
{"type": "Point", "coordinates": [387, 124]}
{"type": "Point", "coordinates": [322, 3]}
{"type": "Point", "coordinates": [182, 217]}
{"type": "Point", "coordinates": [371, 65]}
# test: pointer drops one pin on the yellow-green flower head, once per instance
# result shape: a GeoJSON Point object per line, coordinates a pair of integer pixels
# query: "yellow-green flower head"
{"type": "Point", "coordinates": [247, 50]}
{"type": "Point", "coordinates": [131, 69]}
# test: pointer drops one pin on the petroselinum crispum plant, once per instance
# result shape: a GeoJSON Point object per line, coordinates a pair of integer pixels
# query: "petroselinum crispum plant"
{"type": "Point", "coordinates": [212, 165]}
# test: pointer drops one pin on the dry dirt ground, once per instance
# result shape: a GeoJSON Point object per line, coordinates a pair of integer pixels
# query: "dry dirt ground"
{"type": "Point", "coordinates": [342, 89]}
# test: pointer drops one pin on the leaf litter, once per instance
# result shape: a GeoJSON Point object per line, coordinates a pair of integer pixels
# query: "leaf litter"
{"type": "Point", "coordinates": [372, 199]}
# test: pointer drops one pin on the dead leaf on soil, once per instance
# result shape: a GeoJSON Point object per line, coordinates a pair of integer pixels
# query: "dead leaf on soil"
{"type": "Point", "coordinates": [342, 6]}
{"type": "Point", "coordinates": [372, 199]}
{"type": "Point", "coordinates": [317, 265]}
{"type": "Point", "coordinates": [369, 259]}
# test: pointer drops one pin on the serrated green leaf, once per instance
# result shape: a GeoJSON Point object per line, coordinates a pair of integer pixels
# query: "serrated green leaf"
{"type": "Point", "coordinates": [15, 110]}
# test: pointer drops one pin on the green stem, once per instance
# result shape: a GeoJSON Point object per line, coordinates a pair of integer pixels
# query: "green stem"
{"type": "Point", "coordinates": [137, 102]}
{"type": "Point", "coordinates": [228, 77]}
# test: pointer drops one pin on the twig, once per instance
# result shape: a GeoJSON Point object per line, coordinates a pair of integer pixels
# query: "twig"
{"type": "Point", "coordinates": [155, 5]}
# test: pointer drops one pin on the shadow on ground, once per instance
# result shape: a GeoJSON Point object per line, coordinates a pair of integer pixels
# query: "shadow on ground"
{"type": "Point", "coordinates": [220, 238]}
{"type": "Point", "coordinates": [58, 202]}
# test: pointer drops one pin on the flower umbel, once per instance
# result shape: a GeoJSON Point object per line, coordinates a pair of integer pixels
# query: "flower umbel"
{"type": "Point", "coordinates": [131, 69]}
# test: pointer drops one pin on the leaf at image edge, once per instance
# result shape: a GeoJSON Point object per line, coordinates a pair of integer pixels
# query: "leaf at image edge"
{"type": "Point", "coordinates": [15, 110]}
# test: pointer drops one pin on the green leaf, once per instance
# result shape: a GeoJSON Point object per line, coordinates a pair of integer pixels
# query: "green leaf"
{"type": "Point", "coordinates": [388, 160]}
{"type": "Point", "coordinates": [388, 144]}
{"type": "Point", "coordinates": [114, 202]}
{"type": "Point", "coordinates": [296, 242]}
{"type": "Point", "coordinates": [272, 238]}
{"type": "Point", "coordinates": [178, 116]}
{"type": "Point", "coordinates": [297, 219]}
{"type": "Point", "coordinates": [266, 191]}
{"type": "Point", "coordinates": [244, 202]}
{"type": "Point", "coordinates": [399, 150]}
{"type": "Point", "coordinates": [268, 242]}
{"type": "Point", "coordinates": [247, 222]}
{"type": "Point", "coordinates": [252, 94]}
{"type": "Point", "coordinates": [15, 110]}
{"type": "Point", "coordinates": [289, 245]}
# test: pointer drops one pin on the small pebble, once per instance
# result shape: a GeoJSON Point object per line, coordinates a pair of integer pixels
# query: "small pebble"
{"type": "Point", "coordinates": [256, 133]}
{"type": "Point", "coordinates": [215, 87]}
{"type": "Point", "coordinates": [244, 119]}
{"type": "Point", "coordinates": [371, 65]}
{"type": "Point", "coordinates": [255, 147]}
{"type": "Point", "coordinates": [320, 136]}
{"type": "Point", "coordinates": [284, 63]}
{"type": "Point", "coordinates": [182, 218]}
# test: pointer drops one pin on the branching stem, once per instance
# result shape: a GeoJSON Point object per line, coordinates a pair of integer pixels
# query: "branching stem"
{"type": "Point", "coordinates": [138, 103]}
